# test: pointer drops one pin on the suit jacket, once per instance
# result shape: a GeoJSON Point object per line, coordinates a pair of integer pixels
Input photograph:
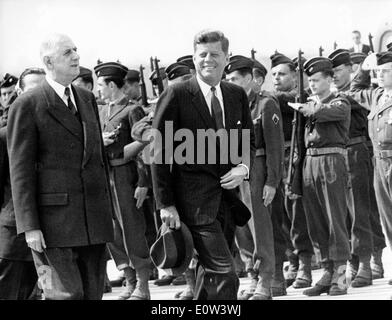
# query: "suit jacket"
{"type": "Point", "coordinates": [195, 188]}
{"type": "Point", "coordinates": [365, 49]}
{"type": "Point", "coordinates": [58, 168]}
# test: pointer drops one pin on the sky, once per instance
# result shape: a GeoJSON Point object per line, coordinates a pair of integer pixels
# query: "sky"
{"type": "Point", "coordinates": [132, 31]}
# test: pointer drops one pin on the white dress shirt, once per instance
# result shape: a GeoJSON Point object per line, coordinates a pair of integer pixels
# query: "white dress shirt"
{"type": "Point", "coordinates": [358, 47]}
{"type": "Point", "coordinates": [60, 90]}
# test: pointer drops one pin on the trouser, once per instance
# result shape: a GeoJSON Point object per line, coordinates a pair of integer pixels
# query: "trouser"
{"type": "Point", "coordinates": [130, 219]}
{"type": "Point", "coordinates": [76, 273]}
{"type": "Point", "coordinates": [359, 200]}
{"type": "Point", "coordinates": [216, 277]}
{"type": "Point", "coordinates": [383, 189]}
{"type": "Point", "coordinates": [325, 181]}
{"type": "Point", "coordinates": [375, 220]}
{"type": "Point", "coordinates": [17, 279]}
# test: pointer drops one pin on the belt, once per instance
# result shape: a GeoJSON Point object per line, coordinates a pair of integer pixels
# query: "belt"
{"type": "Point", "coordinates": [322, 151]}
{"type": "Point", "coordinates": [383, 153]}
{"type": "Point", "coordinates": [356, 140]}
{"type": "Point", "coordinates": [260, 152]}
{"type": "Point", "coordinates": [118, 162]}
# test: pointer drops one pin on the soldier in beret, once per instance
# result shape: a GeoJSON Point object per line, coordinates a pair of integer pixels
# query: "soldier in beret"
{"type": "Point", "coordinates": [7, 96]}
{"type": "Point", "coordinates": [188, 60]}
{"type": "Point", "coordinates": [325, 173]}
{"type": "Point", "coordinates": [127, 181]}
{"type": "Point", "coordinates": [266, 175]}
{"type": "Point", "coordinates": [379, 102]}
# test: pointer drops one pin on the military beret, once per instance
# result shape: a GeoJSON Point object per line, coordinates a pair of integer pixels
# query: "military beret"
{"type": "Point", "coordinates": [258, 66]}
{"type": "Point", "coordinates": [317, 64]}
{"type": "Point", "coordinates": [84, 72]}
{"type": "Point", "coordinates": [188, 60]}
{"type": "Point", "coordinates": [8, 81]}
{"type": "Point", "coordinates": [339, 57]}
{"type": "Point", "coordinates": [176, 70]}
{"type": "Point", "coordinates": [295, 61]}
{"type": "Point", "coordinates": [133, 75]}
{"type": "Point", "coordinates": [114, 69]}
{"type": "Point", "coordinates": [278, 58]}
{"type": "Point", "coordinates": [384, 57]}
{"type": "Point", "coordinates": [239, 62]}
{"type": "Point", "coordinates": [153, 75]}
{"type": "Point", "coordinates": [389, 46]}
{"type": "Point", "coordinates": [357, 57]}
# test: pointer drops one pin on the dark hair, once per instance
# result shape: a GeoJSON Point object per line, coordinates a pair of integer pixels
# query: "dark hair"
{"type": "Point", "coordinates": [357, 32]}
{"type": "Point", "coordinates": [208, 36]}
{"type": "Point", "coordinates": [131, 81]}
{"type": "Point", "coordinates": [258, 73]}
{"type": "Point", "coordinates": [87, 79]}
{"type": "Point", "coordinates": [28, 71]}
{"type": "Point", "coordinates": [117, 80]}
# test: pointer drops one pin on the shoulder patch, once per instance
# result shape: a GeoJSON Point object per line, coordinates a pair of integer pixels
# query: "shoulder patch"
{"type": "Point", "coordinates": [275, 118]}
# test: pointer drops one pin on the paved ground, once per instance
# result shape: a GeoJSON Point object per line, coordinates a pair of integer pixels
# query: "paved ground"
{"type": "Point", "coordinates": [380, 290]}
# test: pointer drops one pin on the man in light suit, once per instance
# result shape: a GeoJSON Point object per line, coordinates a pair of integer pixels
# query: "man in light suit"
{"type": "Point", "coordinates": [358, 46]}
{"type": "Point", "coordinates": [59, 178]}
{"type": "Point", "coordinates": [202, 195]}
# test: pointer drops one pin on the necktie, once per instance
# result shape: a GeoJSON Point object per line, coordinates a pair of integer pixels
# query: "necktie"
{"type": "Point", "coordinates": [71, 106]}
{"type": "Point", "coordinates": [217, 114]}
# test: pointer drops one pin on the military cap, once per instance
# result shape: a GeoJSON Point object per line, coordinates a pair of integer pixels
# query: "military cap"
{"type": "Point", "coordinates": [114, 69]}
{"type": "Point", "coordinates": [317, 64]}
{"type": "Point", "coordinates": [133, 75]}
{"type": "Point", "coordinates": [278, 58]}
{"type": "Point", "coordinates": [176, 70]}
{"type": "Point", "coordinates": [153, 75]}
{"type": "Point", "coordinates": [239, 62]}
{"type": "Point", "coordinates": [295, 61]}
{"type": "Point", "coordinates": [258, 66]}
{"type": "Point", "coordinates": [84, 72]}
{"type": "Point", "coordinates": [389, 46]}
{"type": "Point", "coordinates": [384, 58]}
{"type": "Point", "coordinates": [339, 57]}
{"type": "Point", "coordinates": [188, 60]}
{"type": "Point", "coordinates": [357, 57]}
{"type": "Point", "coordinates": [8, 81]}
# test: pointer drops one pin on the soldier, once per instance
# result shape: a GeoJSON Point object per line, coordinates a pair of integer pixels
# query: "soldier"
{"type": "Point", "coordinates": [188, 60]}
{"type": "Point", "coordinates": [266, 175]}
{"type": "Point", "coordinates": [84, 79]}
{"type": "Point", "coordinates": [359, 162]}
{"type": "Point", "coordinates": [379, 102]}
{"type": "Point", "coordinates": [259, 72]}
{"type": "Point", "coordinates": [129, 190]}
{"type": "Point", "coordinates": [325, 177]}
{"type": "Point", "coordinates": [131, 86]}
{"type": "Point", "coordinates": [293, 215]}
{"type": "Point", "coordinates": [7, 96]}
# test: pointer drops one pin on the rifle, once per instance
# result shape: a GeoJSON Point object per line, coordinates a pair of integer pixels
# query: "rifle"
{"type": "Point", "coordinates": [252, 53]}
{"type": "Point", "coordinates": [321, 51]}
{"type": "Point", "coordinates": [159, 78]}
{"type": "Point", "coordinates": [152, 70]}
{"type": "Point", "coordinates": [300, 98]}
{"type": "Point", "coordinates": [142, 85]}
{"type": "Point", "coordinates": [371, 42]}
{"type": "Point", "coordinates": [335, 45]}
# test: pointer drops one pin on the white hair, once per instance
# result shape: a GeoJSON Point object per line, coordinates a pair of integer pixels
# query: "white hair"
{"type": "Point", "coordinates": [49, 44]}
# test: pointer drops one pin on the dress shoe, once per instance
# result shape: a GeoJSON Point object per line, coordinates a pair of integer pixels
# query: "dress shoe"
{"type": "Point", "coordinates": [164, 281]}
{"type": "Point", "coordinates": [260, 296]}
{"type": "Point", "coordinates": [339, 279]}
{"type": "Point", "coordinates": [278, 289]}
{"type": "Point", "coordinates": [187, 294]}
{"type": "Point", "coordinates": [292, 270]}
{"type": "Point", "coordinates": [376, 265]}
{"type": "Point", "coordinates": [316, 290]}
{"type": "Point", "coordinates": [324, 284]}
{"type": "Point", "coordinates": [139, 295]}
{"type": "Point", "coordinates": [304, 275]}
{"type": "Point", "coordinates": [126, 293]}
{"type": "Point", "coordinates": [337, 290]}
{"type": "Point", "coordinates": [179, 281]}
{"type": "Point", "coordinates": [244, 295]}
{"type": "Point", "coordinates": [141, 292]}
{"type": "Point", "coordinates": [364, 276]}
{"type": "Point", "coordinates": [352, 268]}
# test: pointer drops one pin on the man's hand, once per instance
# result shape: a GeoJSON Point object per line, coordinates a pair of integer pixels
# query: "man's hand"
{"type": "Point", "coordinates": [140, 196]}
{"type": "Point", "coordinates": [170, 217]}
{"type": "Point", "coordinates": [268, 195]}
{"type": "Point", "coordinates": [107, 138]}
{"type": "Point", "coordinates": [35, 240]}
{"type": "Point", "coordinates": [233, 178]}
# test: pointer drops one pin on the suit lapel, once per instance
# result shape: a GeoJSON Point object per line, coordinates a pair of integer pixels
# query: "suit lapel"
{"type": "Point", "coordinates": [58, 110]}
{"type": "Point", "coordinates": [231, 110]}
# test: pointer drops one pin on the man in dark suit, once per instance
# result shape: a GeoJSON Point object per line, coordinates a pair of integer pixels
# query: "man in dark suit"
{"type": "Point", "coordinates": [202, 193]}
{"type": "Point", "coordinates": [358, 45]}
{"type": "Point", "coordinates": [59, 178]}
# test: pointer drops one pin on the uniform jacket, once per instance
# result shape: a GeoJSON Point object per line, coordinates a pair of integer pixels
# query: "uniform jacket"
{"type": "Point", "coordinates": [58, 169]}
{"type": "Point", "coordinates": [380, 116]}
{"type": "Point", "coordinates": [267, 121]}
{"type": "Point", "coordinates": [328, 122]}
{"type": "Point", "coordinates": [195, 188]}
{"type": "Point", "coordinates": [365, 49]}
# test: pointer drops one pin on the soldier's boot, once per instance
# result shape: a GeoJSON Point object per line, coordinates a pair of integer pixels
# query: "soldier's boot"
{"type": "Point", "coordinates": [130, 284]}
{"type": "Point", "coordinates": [376, 265]}
{"type": "Point", "coordinates": [278, 286]}
{"type": "Point", "coordinates": [292, 270]}
{"type": "Point", "coordinates": [189, 291]}
{"type": "Point", "coordinates": [248, 293]}
{"type": "Point", "coordinates": [304, 275]}
{"type": "Point", "coordinates": [364, 275]}
{"type": "Point", "coordinates": [339, 280]}
{"type": "Point", "coordinates": [352, 268]}
{"type": "Point", "coordinates": [142, 291]}
{"type": "Point", "coordinates": [324, 284]}
{"type": "Point", "coordinates": [263, 289]}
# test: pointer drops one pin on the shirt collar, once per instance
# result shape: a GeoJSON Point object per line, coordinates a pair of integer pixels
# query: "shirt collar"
{"type": "Point", "coordinates": [119, 100]}
{"type": "Point", "coordinates": [206, 88]}
{"type": "Point", "coordinates": [58, 87]}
